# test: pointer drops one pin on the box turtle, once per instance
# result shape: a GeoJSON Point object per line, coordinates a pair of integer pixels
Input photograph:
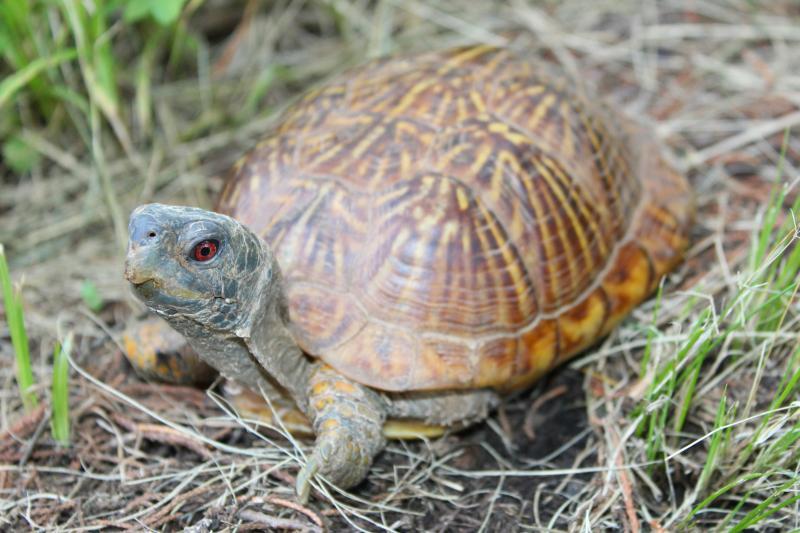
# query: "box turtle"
{"type": "Point", "coordinates": [414, 239]}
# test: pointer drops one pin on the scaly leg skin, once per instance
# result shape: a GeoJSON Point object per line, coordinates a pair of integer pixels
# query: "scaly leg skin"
{"type": "Point", "coordinates": [348, 421]}
{"type": "Point", "coordinates": [453, 409]}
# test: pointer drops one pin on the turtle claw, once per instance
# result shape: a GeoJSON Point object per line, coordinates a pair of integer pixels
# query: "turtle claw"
{"type": "Point", "coordinates": [307, 473]}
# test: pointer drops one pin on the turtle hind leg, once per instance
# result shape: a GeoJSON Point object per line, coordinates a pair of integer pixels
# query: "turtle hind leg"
{"type": "Point", "coordinates": [452, 409]}
{"type": "Point", "coordinates": [158, 352]}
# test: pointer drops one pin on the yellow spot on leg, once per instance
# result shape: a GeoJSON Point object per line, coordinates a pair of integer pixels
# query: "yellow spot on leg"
{"type": "Point", "coordinates": [320, 388]}
{"type": "Point", "coordinates": [345, 387]}
{"type": "Point", "coordinates": [330, 425]}
{"type": "Point", "coordinates": [322, 403]}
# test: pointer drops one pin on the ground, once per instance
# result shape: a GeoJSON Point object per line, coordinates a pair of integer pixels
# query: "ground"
{"type": "Point", "coordinates": [682, 418]}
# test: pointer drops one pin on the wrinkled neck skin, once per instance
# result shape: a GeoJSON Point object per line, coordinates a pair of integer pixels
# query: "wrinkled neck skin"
{"type": "Point", "coordinates": [270, 343]}
{"type": "Point", "coordinates": [252, 343]}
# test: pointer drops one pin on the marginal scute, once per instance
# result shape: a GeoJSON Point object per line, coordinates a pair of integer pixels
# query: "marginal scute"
{"type": "Point", "coordinates": [379, 356]}
{"type": "Point", "coordinates": [581, 324]}
{"type": "Point", "coordinates": [441, 363]}
{"type": "Point", "coordinates": [536, 354]}
{"type": "Point", "coordinates": [666, 217]}
{"type": "Point", "coordinates": [628, 281]}
{"type": "Point", "coordinates": [496, 361]}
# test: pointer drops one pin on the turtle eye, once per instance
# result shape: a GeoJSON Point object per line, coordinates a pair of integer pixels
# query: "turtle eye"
{"type": "Point", "coordinates": [205, 250]}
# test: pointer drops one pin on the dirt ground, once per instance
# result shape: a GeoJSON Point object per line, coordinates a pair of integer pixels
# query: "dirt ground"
{"type": "Point", "coordinates": [717, 81]}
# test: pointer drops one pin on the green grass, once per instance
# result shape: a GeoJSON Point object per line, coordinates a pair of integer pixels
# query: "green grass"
{"type": "Point", "coordinates": [59, 418]}
{"type": "Point", "coordinates": [24, 76]}
{"type": "Point", "coordinates": [91, 297]}
{"type": "Point", "coordinates": [19, 338]}
{"type": "Point", "coordinates": [62, 69]}
{"type": "Point", "coordinates": [753, 444]}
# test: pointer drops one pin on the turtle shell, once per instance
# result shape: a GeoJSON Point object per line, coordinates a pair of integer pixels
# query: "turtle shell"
{"type": "Point", "coordinates": [458, 219]}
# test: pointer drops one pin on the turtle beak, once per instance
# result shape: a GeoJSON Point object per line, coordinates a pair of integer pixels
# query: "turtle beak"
{"type": "Point", "coordinates": [137, 268]}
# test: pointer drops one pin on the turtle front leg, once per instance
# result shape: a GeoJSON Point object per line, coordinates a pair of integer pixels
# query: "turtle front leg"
{"type": "Point", "coordinates": [348, 422]}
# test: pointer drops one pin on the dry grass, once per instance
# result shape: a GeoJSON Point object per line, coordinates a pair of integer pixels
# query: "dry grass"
{"type": "Point", "coordinates": [694, 437]}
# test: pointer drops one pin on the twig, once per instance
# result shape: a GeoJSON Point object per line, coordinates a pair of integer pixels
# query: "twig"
{"type": "Point", "coordinates": [168, 435]}
{"type": "Point", "coordinates": [23, 427]}
{"type": "Point", "coordinates": [297, 507]}
{"type": "Point", "coordinates": [527, 425]}
{"type": "Point", "coordinates": [746, 137]}
{"type": "Point", "coordinates": [31, 444]}
{"type": "Point", "coordinates": [259, 520]}
{"type": "Point", "coordinates": [165, 514]}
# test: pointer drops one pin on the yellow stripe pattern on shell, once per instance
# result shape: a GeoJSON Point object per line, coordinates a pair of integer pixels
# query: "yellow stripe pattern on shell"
{"type": "Point", "coordinates": [458, 219]}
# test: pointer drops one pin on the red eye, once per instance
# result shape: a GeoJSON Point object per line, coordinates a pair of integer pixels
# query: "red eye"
{"type": "Point", "coordinates": [205, 250]}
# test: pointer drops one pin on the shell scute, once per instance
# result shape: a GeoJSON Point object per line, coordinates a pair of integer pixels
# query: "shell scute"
{"type": "Point", "coordinates": [438, 260]}
{"type": "Point", "coordinates": [435, 355]}
{"type": "Point", "coordinates": [382, 357]}
{"type": "Point", "coordinates": [322, 319]}
{"type": "Point", "coordinates": [496, 360]}
{"type": "Point", "coordinates": [370, 149]}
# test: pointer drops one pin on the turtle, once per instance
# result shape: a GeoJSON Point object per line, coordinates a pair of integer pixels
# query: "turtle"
{"type": "Point", "coordinates": [413, 240]}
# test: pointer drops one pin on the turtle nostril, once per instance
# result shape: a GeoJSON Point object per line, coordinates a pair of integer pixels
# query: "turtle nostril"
{"type": "Point", "coordinates": [144, 231]}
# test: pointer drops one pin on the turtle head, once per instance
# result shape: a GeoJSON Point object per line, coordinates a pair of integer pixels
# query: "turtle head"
{"type": "Point", "coordinates": [192, 266]}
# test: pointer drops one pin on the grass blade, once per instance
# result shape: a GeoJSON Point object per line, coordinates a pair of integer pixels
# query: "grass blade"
{"type": "Point", "coordinates": [18, 80]}
{"type": "Point", "coordinates": [713, 450]}
{"type": "Point", "coordinates": [720, 491]}
{"type": "Point", "coordinates": [19, 338]}
{"type": "Point", "coordinates": [764, 509]}
{"type": "Point", "coordinates": [59, 419]}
